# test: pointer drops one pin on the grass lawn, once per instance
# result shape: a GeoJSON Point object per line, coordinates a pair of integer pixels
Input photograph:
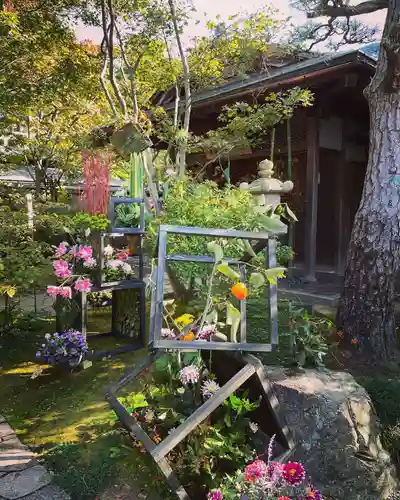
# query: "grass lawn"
{"type": "Point", "coordinates": [66, 419]}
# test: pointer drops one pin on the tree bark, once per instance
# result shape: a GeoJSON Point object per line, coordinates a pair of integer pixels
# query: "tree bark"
{"type": "Point", "coordinates": [366, 309]}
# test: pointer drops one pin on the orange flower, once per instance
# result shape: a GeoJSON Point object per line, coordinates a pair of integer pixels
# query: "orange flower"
{"type": "Point", "coordinates": [240, 291]}
{"type": "Point", "coordinates": [189, 337]}
{"type": "Point", "coordinates": [354, 341]}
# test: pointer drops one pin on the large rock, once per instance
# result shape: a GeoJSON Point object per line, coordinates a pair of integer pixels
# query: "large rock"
{"type": "Point", "coordinates": [336, 432]}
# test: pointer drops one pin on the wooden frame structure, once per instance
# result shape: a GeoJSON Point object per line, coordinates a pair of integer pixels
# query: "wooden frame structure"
{"type": "Point", "coordinates": [249, 372]}
{"type": "Point", "coordinates": [114, 202]}
{"type": "Point", "coordinates": [265, 240]}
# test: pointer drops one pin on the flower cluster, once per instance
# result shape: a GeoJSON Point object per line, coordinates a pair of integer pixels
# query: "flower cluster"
{"type": "Point", "coordinates": [67, 257]}
{"type": "Point", "coordinates": [69, 346]}
{"type": "Point", "coordinates": [116, 260]}
{"type": "Point", "coordinates": [271, 480]}
{"type": "Point", "coordinates": [204, 334]}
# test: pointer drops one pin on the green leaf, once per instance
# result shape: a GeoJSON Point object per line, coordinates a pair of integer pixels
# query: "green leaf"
{"type": "Point", "coordinates": [257, 280]}
{"type": "Point", "coordinates": [249, 248]}
{"type": "Point", "coordinates": [216, 249]}
{"type": "Point", "coordinates": [212, 317]}
{"type": "Point", "coordinates": [290, 214]}
{"type": "Point", "coordinates": [274, 274]}
{"type": "Point", "coordinates": [272, 224]}
{"type": "Point", "coordinates": [228, 272]}
{"type": "Point", "coordinates": [232, 319]}
{"type": "Point", "coordinates": [87, 364]}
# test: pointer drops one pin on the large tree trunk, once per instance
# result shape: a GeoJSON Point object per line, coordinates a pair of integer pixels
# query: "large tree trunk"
{"type": "Point", "coordinates": [366, 310]}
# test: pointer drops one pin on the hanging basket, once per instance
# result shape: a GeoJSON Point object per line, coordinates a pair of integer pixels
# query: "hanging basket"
{"type": "Point", "coordinates": [130, 139]}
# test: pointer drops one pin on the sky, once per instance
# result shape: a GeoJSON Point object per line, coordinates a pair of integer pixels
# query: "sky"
{"type": "Point", "coordinates": [209, 9]}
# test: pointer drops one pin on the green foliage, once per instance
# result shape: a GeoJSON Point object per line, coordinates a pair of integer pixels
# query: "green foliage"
{"type": "Point", "coordinates": [127, 215]}
{"type": "Point", "coordinates": [247, 125]}
{"type": "Point", "coordinates": [237, 49]}
{"type": "Point", "coordinates": [309, 338]}
{"type": "Point", "coordinates": [82, 221]}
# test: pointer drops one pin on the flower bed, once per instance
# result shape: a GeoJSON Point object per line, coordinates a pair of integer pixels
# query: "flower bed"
{"type": "Point", "coordinates": [210, 459]}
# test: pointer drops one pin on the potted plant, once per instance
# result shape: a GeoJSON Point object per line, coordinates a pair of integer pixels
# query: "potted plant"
{"type": "Point", "coordinates": [65, 350]}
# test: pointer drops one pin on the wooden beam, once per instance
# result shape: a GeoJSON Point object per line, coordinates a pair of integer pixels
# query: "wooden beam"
{"type": "Point", "coordinates": [202, 413]}
{"type": "Point", "coordinates": [312, 175]}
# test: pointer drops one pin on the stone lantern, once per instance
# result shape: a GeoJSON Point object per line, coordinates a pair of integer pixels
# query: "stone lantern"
{"type": "Point", "coordinates": [267, 190]}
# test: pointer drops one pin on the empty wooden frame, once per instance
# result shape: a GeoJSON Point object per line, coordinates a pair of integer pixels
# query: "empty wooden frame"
{"type": "Point", "coordinates": [157, 305]}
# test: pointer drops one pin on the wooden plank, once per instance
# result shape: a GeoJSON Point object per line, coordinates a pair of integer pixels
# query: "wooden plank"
{"type": "Point", "coordinates": [159, 299]}
{"type": "Point", "coordinates": [130, 423]}
{"type": "Point", "coordinates": [202, 413]}
{"type": "Point", "coordinates": [243, 308]}
{"type": "Point", "coordinates": [172, 480]}
{"type": "Point", "coordinates": [212, 346]}
{"type": "Point", "coordinates": [152, 307]}
{"type": "Point", "coordinates": [272, 293]}
{"type": "Point", "coordinates": [202, 259]}
{"type": "Point", "coordinates": [311, 197]}
{"type": "Point", "coordinates": [133, 372]}
{"type": "Point", "coordinates": [221, 233]}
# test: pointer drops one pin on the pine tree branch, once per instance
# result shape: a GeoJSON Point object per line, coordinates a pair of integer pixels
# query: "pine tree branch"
{"type": "Point", "coordinates": [340, 10]}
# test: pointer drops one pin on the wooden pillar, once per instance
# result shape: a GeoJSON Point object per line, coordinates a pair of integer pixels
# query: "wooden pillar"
{"type": "Point", "coordinates": [312, 175]}
{"type": "Point", "coordinates": [341, 214]}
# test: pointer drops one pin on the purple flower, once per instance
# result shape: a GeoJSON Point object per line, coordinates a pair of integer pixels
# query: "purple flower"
{"type": "Point", "coordinates": [207, 332]}
{"type": "Point", "coordinates": [215, 495]}
{"type": "Point", "coordinates": [312, 494]}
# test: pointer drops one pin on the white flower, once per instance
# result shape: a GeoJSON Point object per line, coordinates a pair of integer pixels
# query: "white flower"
{"type": "Point", "coordinates": [189, 375]}
{"type": "Point", "coordinates": [47, 336]}
{"type": "Point", "coordinates": [114, 264]}
{"type": "Point", "coordinates": [91, 262]}
{"type": "Point", "coordinates": [253, 427]}
{"type": "Point", "coordinates": [127, 268]}
{"type": "Point", "coordinates": [168, 334]}
{"type": "Point", "coordinates": [209, 388]}
{"type": "Point", "coordinates": [108, 251]}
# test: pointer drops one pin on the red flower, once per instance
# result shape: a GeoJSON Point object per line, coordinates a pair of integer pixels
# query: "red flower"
{"type": "Point", "coordinates": [354, 341]}
{"type": "Point", "coordinates": [255, 470]}
{"type": "Point", "coordinates": [340, 334]}
{"type": "Point", "coordinates": [284, 498]}
{"type": "Point", "coordinates": [293, 473]}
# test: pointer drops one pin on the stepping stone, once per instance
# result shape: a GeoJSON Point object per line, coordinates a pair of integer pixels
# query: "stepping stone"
{"type": "Point", "coordinates": [20, 484]}
{"type": "Point", "coordinates": [11, 442]}
{"type": "Point", "coordinates": [5, 431]}
{"type": "Point", "coordinates": [15, 459]}
{"type": "Point", "coordinates": [50, 492]}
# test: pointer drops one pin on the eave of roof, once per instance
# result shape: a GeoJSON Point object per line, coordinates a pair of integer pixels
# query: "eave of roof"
{"type": "Point", "coordinates": [293, 73]}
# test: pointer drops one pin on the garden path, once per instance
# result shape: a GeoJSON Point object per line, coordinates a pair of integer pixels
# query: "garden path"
{"type": "Point", "coordinates": [21, 476]}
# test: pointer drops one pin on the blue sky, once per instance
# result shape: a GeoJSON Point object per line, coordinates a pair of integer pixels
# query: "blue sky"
{"type": "Point", "coordinates": [209, 9]}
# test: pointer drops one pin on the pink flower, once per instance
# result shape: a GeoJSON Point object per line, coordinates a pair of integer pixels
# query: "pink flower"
{"type": "Point", "coordinates": [284, 498]}
{"type": "Point", "coordinates": [83, 285]}
{"type": "Point", "coordinates": [85, 252]}
{"type": "Point", "coordinates": [255, 471]}
{"type": "Point", "coordinates": [61, 249]}
{"type": "Point", "coordinates": [293, 473]}
{"type": "Point", "coordinates": [74, 251]}
{"type": "Point", "coordinates": [168, 334]}
{"type": "Point", "coordinates": [207, 332]}
{"type": "Point", "coordinates": [274, 471]}
{"type": "Point", "coordinates": [64, 291]}
{"type": "Point", "coordinates": [61, 268]}
{"type": "Point", "coordinates": [91, 262]}
{"type": "Point", "coordinates": [52, 290]}
{"type": "Point", "coordinates": [122, 255]}
{"type": "Point", "coordinates": [215, 495]}
{"type": "Point", "coordinates": [189, 375]}
{"type": "Point", "coordinates": [114, 264]}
